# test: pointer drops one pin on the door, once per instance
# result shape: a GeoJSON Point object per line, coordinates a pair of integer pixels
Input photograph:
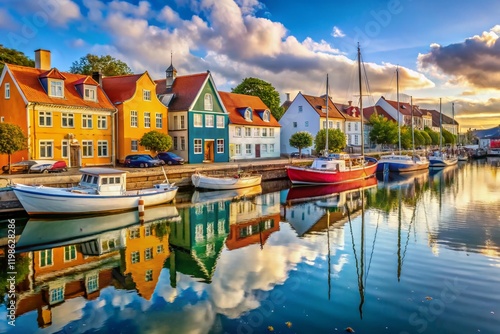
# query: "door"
{"type": "Point", "coordinates": [257, 150]}
{"type": "Point", "coordinates": [74, 156]}
{"type": "Point", "coordinates": [209, 151]}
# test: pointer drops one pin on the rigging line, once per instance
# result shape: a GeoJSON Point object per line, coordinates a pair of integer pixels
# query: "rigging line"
{"type": "Point", "coordinates": [373, 248]}
{"type": "Point", "coordinates": [352, 238]}
{"type": "Point", "coordinates": [409, 232]}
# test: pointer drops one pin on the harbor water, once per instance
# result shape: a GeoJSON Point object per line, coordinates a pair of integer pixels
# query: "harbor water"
{"type": "Point", "coordinates": [416, 253]}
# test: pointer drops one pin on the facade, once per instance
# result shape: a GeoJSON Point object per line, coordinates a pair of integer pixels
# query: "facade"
{"type": "Point", "coordinates": [139, 111]}
{"type": "Point", "coordinates": [352, 125]}
{"type": "Point", "coordinates": [253, 131]}
{"type": "Point", "coordinates": [197, 119]}
{"type": "Point", "coordinates": [308, 113]}
{"type": "Point", "coordinates": [65, 116]}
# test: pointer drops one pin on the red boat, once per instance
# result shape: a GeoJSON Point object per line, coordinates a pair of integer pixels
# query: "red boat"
{"type": "Point", "coordinates": [336, 168]}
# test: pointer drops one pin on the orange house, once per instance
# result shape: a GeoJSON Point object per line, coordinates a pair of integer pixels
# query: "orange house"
{"type": "Point", "coordinates": [65, 116]}
{"type": "Point", "coordinates": [139, 110]}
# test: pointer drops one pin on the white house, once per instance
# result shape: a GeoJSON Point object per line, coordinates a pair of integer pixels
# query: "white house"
{"type": "Point", "coordinates": [253, 131]}
{"type": "Point", "coordinates": [308, 113]}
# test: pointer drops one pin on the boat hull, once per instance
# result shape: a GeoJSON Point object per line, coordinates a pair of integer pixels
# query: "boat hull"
{"type": "Point", "coordinates": [401, 164]}
{"type": "Point", "coordinates": [39, 201]}
{"type": "Point", "coordinates": [306, 175]}
{"type": "Point", "coordinates": [225, 183]}
{"type": "Point", "coordinates": [441, 163]}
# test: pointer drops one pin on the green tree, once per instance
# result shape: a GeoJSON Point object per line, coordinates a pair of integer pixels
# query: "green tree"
{"type": "Point", "coordinates": [300, 140]}
{"type": "Point", "coordinates": [156, 141]}
{"type": "Point", "coordinates": [336, 140]}
{"type": "Point", "coordinates": [383, 130]}
{"type": "Point", "coordinates": [107, 65]}
{"type": "Point", "coordinates": [12, 139]}
{"type": "Point", "coordinates": [406, 138]}
{"type": "Point", "coordinates": [427, 138]}
{"type": "Point", "coordinates": [12, 56]}
{"type": "Point", "coordinates": [419, 138]}
{"type": "Point", "coordinates": [433, 134]}
{"type": "Point", "coordinates": [267, 93]}
{"type": "Point", "coordinates": [449, 138]}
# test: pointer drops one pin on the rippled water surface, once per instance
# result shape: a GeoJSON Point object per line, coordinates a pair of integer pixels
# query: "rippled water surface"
{"type": "Point", "coordinates": [402, 254]}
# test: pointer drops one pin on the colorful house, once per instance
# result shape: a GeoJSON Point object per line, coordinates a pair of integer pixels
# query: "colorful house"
{"type": "Point", "coordinates": [197, 119]}
{"type": "Point", "coordinates": [253, 130]}
{"type": "Point", "coordinates": [65, 116]}
{"type": "Point", "coordinates": [139, 111]}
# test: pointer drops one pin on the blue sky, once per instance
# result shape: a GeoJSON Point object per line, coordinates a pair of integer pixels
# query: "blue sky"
{"type": "Point", "coordinates": [444, 49]}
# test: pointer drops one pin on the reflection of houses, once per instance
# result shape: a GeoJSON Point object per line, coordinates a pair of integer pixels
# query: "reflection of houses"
{"type": "Point", "coordinates": [197, 240]}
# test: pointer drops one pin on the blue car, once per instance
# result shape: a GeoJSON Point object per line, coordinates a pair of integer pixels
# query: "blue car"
{"type": "Point", "coordinates": [170, 158]}
{"type": "Point", "coordinates": [142, 160]}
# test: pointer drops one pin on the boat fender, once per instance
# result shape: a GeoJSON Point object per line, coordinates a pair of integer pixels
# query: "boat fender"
{"type": "Point", "coordinates": [141, 207]}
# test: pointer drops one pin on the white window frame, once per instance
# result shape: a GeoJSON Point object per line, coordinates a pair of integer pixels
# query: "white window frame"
{"type": "Point", "coordinates": [45, 117]}
{"type": "Point", "coordinates": [146, 95]}
{"type": "Point", "coordinates": [271, 132]}
{"type": "Point", "coordinates": [71, 251]}
{"type": "Point", "coordinates": [271, 148]}
{"type": "Point", "coordinates": [148, 254]}
{"type": "Point", "coordinates": [159, 120]}
{"type": "Point", "coordinates": [56, 88]}
{"type": "Point", "coordinates": [46, 252]}
{"type": "Point", "coordinates": [7, 91]}
{"type": "Point", "coordinates": [87, 121]}
{"type": "Point", "coordinates": [220, 145]}
{"type": "Point", "coordinates": [209, 121]}
{"type": "Point", "coordinates": [102, 122]}
{"type": "Point", "coordinates": [267, 116]}
{"type": "Point", "coordinates": [147, 119]}
{"type": "Point", "coordinates": [47, 147]}
{"type": "Point", "coordinates": [102, 148]}
{"type": "Point", "coordinates": [208, 102]}
{"type": "Point", "coordinates": [86, 146]}
{"type": "Point", "coordinates": [248, 149]}
{"type": "Point", "coordinates": [197, 146]}
{"type": "Point", "coordinates": [237, 131]}
{"type": "Point", "coordinates": [69, 119]}
{"type": "Point", "coordinates": [56, 295]}
{"type": "Point", "coordinates": [183, 122]}
{"type": "Point", "coordinates": [183, 143]}
{"type": "Point", "coordinates": [134, 145]}
{"type": "Point", "coordinates": [175, 142]}
{"type": "Point", "coordinates": [90, 93]}
{"type": "Point", "coordinates": [65, 148]}
{"type": "Point", "coordinates": [237, 149]}
{"type": "Point", "coordinates": [264, 132]}
{"type": "Point", "coordinates": [134, 118]}
{"type": "Point", "coordinates": [149, 275]}
{"type": "Point", "coordinates": [220, 122]}
{"type": "Point", "coordinates": [197, 120]}
{"type": "Point", "coordinates": [135, 257]}
{"type": "Point", "coordinates": [248, 114]}
{"type": "Point", "coordinates": [92, 283]}
{"type": "Point", "coordinates": [256, 132]}
{"type": "Point", "coordinates": [248, 132]}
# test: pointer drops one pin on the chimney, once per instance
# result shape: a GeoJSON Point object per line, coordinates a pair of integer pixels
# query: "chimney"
{"type": "Point", "coordinates": [97, 76]}
{"type": "Point", "coordinates": [288, 96]}
{"type": "Point", "coordinates": [350, 103]}
{"type": "Point", "coordinates": [42, 59]}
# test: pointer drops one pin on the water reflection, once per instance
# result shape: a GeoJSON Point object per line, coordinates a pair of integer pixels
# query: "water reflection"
{"type": "Point", "coordinates": [354, 255]}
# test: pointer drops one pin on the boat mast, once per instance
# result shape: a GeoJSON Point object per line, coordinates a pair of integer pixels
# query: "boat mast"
{"type": "Point", "coordinates": [361, 104]}
{"type": "Point", "coordinates": [412, 131]}
{"type": "Point", "coordinates": [453, 115]}
{"type": "Point", "coordinates": [326, 135]}
{"type": "Point", "coordinates": [440, 127]}
{"type": "Point", "coordinates": [397, 94]}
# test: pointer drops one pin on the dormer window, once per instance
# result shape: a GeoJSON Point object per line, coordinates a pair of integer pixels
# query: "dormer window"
{"type": "Point", "coordinates": [266, 117]}
{"type": "Point", "coordinates": [248, 114]}
{"type": "Point", "coordinates": [146, 95]}
{"type": "Point", "coordinates": [208, 104]}
{"type": "Point", "coordinates": [90, 93]}
{"type": "Point", "coordinates": [56, 88]}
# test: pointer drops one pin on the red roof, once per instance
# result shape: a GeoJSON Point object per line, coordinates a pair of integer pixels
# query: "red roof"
{"type": "Point", "coordinates": [233, 102]}
{"type": "Point", "coordinates": [404, 108]}
{"type": "Point", "coordinates": [121, 87]}
{"type": "Point", "coordinates": [185, 90]}
{"type": "Point", "coordinates": [28, 79]}
{"type": "Point", "coordinates": [367, 113]}
{"type": "Point", "coordinates": [319, 103]}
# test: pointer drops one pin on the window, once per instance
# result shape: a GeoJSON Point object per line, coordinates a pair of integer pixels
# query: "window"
{"type": "Point", "coordinates": [248, 132]}
{"type": "Point", "coordinates": [237, 131]}
{"type": "Point", "coordinates": [46, 149]}
{"type": "Point", "coordinates": [248, 115]}
{"type": "Point", "coordinates": [90, 93]}
{"type": "Point", "coordinates": [237, 149]}
{"type": "Point", "coordinates": [264, 132]}
{"type": "Point", "coordinates": [338, 125]}
{"type": "Point", "coordinates": [146, 95]}
{"type": "Point", "coordinates": [148, 253]}
{"type": "Point", "coordinates": [256, 132]}
{"type": "Point", "coordinates": [149, 275]}
{"type": "Point", "coordinates": [207, 103]}
{"type": "Point", "coordinates": [92, 282]}
{"type": "Point", "coordinates": [306, 124]}
{"type": "Point", "coordinates": [45, 257]}
{"type": "Point", "coordinates": [160, 249]}
{"type": "Point", "coordinates": [159, 120]}
{"type": "Point", "coordinates": [147, 120]}
{"type": "Point", "coordinates": [220, 145]}
{"type": "Point", "coordinates": [300, 108]}
{"type": "Point", "coordinates": [69, 253]}
{"type": "Point", "coordinates": [87, 121]}
{"type": "Point", "coordinates": [102, 122]}
{"type": "Point", "coordinates": [271, 132]}
{"type": "Point", "coordinates": [264, 148]}
{"type": "Point", "coordinates": [7, 90]}
{"type": "Point", "coordinates": [67, 120]}
{"type": "Point", "coordinates": [198, 122]}
{"type": "Point", "coordinates": [45, 118]}
{"type": "Point", "coordinates": [147, 231]}
{"type": "Point", "coordinates": [56, 295]}
{"type": "Point", "coordinates": [355, 126]}
{"type": "Point", "coordinates": [209, 121]}
{"type": "Point", "coordinates": [133, 118]}
{"type": "Point", "coordinates": [198, 233]}
{"type": "Point", "coordinates": [175, 126]}
{"type": "Point", "coordinates": [197, 146]}
{"type": "Point", "coordinates": [271, 148]}
{"type": "Point", "coordinates": [87, 148]}
{"type": "Point", "coordinates": [174, 139]}
{"type": "Point", "coordinates": [294, 124]}
{"type": "Point", "coordinates": [267, 116]}
{"type": "Point", "coordinates": [56, 88]}
{"type": "Point", "coordinates": [248, 148]}
{"type": "Point", "coordinates": [220, 122]}
{"type": "Point", "coordinates": [183, 143]}
{"type": "Point", "coordinates": [135, 257]}
{"type": "Point", "coordinates": [65, 149]}
{"type": "Point", "coordinates": [134, 145]}
{"type": "Point", "coordinates": [183, 122]}
{"type": "Point", "coordinates": [102, 148]}
{"type": "Point", "coordinates": [134, 233]}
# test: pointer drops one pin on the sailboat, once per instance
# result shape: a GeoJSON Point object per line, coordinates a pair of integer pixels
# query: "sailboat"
{"type": "Point", "coordinates": [399, 163]}
{"type": "Point", "coordinates": [440, 159]}
{"type": "Point", "coordinates": [336, 167]}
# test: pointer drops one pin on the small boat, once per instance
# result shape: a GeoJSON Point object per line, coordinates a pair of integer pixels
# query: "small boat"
{"type": "Point", "coordinates": [440, 159]}
{"type": "Point", "coordinates": [401, 163]}
{"type": "Point", "coordinates": [479, 153]}
{"type": "Point", "coordinates": [463, 157]}
{"type": "Point", "coordinates": [225, 195]}
{"type": "Point", "coordinates": [100, 190]}
{"type": "Point", "coordinates": [239, 180]}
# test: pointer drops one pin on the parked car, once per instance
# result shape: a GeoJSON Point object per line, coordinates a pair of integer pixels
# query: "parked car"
{"type": "Point", "coordinates": [295, 155]}
{"type": "Point", "coordinates": [142, 160]}
{"type": "Point", "coordinates": [49, 167]}
{"type": "Point", "coordinates": [170, 158]}
{"type": "Point", "coordinates": [19, 167]}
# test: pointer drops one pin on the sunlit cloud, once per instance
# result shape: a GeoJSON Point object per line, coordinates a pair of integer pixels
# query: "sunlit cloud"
{"type": "Point", "coordinates": [336, 32]}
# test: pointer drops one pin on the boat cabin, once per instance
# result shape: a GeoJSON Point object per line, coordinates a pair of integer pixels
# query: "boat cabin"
{"type": "Point", "coordinates": [340, 162]}
{"type": "Point", "coordinates": [102, 181]}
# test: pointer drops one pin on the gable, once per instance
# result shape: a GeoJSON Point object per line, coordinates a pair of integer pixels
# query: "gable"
{"type": "Point", "coordinates": [208, 90]}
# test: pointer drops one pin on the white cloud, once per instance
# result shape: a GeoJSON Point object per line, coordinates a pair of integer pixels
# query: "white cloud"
{"type": "Point", "coordinates": [50, 12]}
{"type": "Point", "coordinates": [336, 32]}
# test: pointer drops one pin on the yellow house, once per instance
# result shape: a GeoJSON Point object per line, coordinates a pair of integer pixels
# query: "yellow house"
{"type": "Point", "coordinates": [65, 116]}
{"type": "Point", "coordinates": [139, 110]}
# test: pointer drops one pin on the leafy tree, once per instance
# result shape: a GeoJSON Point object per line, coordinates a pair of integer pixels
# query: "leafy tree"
{"type": "Point", "coordinates": [419, 138]}
{"type": "Point", "coordinates": [107, 65]}
{"type": "Point", "coordinates": [449, 138]}
{"type": "Point", "coordinates": [300, 140]}
{"type": "Point", "coordinates": [12, 139]}
{"type": "Point", "coordinates": [433, 134]}
{"type": "Point", "coordinates": [11, 56]}
{"type": "Point", "coordinates": [336, 140]}
{"type": "Point", "coordinates": [156, 141]}
{"type": "Point", "coordinates": [267, 93]}
{"type": "Point", "coordinates": [406, 139]}
{"type": "Point", "coordinates": [427, 138]}
{"type": "Point", "coordinates": [383, 130]}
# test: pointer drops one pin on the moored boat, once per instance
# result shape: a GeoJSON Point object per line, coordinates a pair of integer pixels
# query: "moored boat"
{"type": "Point", "coordinates": [100, 190]}
{"type": "Point", "coordinates": [401, 163]}
{"type": "Point", "coordinates": [204, 181]}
